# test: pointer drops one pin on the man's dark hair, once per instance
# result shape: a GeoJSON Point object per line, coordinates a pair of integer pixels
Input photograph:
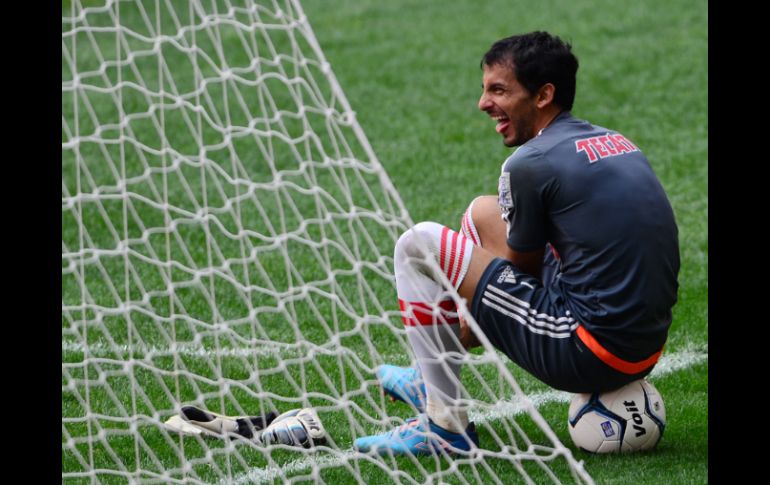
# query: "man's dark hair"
{"type": "Point", "coordinates": [538, 58]}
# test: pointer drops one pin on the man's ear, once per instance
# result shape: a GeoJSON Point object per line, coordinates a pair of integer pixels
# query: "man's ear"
{"type": "Point", "coordinates": [545, 95]}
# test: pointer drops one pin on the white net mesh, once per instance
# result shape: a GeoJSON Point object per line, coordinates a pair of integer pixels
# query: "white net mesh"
{"type": "Point", "coordinates": [227, 240]}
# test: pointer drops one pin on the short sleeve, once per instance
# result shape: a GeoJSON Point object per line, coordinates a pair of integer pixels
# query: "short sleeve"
{"type": "Point", "coordinates": [521, 187]}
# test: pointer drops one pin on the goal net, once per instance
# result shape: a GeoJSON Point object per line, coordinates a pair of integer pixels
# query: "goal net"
{"type": "Point", "coordinates": [227, 242]}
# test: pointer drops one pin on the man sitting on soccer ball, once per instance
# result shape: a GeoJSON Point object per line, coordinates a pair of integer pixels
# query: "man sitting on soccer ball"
{"type": "Point", "coordinates": [575, 282]}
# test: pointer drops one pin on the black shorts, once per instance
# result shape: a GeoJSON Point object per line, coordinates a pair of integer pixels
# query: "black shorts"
{"type": "Point", "coordinates": [529, 322]}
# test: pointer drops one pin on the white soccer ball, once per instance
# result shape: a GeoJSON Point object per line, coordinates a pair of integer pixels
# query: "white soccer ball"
{"type": "Point", "coordinates": [628, 419]}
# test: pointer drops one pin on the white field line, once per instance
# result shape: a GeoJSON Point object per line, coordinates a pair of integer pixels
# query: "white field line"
{"type": "Point", "coordinates": [272, 349]}
{"type": "Point", "coordinates": [100, 348]}
{"type": "Point", "coordinates": [272, 473]}
{"type": "Point", "coordinates": [668, 364]}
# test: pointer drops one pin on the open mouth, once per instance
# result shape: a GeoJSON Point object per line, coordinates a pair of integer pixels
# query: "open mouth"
{"type": "Point", "coordinates": [503, 122]}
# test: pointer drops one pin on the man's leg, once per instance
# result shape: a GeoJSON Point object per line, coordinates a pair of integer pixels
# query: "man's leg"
{"type": "Point", "coordinates": [482, 224]}
{"type": "Point", "coordinates": [435, 336]}
{"type": "Point", "coordinates": [432, 326]}
{"type": "Point", "coordinates": [430, 315]}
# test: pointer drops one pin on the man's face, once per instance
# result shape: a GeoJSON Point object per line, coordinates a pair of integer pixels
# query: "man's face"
{"type": "Point", "coordinates": [509, 103]}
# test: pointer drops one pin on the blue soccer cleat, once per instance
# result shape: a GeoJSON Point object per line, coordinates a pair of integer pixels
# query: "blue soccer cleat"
{"type": "Point", "coordinates": [419, 436]}
{"type": "Point", "coordinates": [404, 384]}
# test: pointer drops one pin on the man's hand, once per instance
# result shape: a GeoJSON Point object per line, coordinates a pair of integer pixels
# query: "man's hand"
{"type": "Point", "coordinates": [467, 337]}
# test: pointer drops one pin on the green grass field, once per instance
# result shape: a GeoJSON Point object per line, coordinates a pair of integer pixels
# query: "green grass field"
{"type": "Point", "coordinates": [410, 70]}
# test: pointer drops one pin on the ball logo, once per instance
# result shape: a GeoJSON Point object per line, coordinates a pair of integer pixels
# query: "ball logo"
{"type": "Point", "coordinates": [607, 428]}
{"type": "Point", "coordinates": [636, 417]}
{"type": "Point", "coordinates": [628, 419]}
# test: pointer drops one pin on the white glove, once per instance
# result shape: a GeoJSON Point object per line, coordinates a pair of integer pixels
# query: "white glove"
{"type": "Point", "coordinates": [298, 427]}
{"type": "Point", "coordinates": [192, 420]}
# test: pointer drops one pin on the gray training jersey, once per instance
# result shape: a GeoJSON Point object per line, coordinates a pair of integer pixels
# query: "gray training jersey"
{"type": "Point", "coordinates": [591, 194]}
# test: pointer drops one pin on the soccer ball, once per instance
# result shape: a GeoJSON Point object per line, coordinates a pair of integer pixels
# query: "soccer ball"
{"type": "Point", "coordinates": [628, 419]}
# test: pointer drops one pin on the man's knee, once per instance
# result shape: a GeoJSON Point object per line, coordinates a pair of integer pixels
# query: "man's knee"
{"type": "Point", "coordinates": [418, 241]}
{"type": "Point", "coordinates": [468, 225]}
{"type": "Point", "coordinates": [481, 222]}
{"type": "Point", "coordinates": [449, 249]}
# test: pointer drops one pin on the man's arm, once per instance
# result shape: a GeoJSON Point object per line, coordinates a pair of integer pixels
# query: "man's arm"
{"type": "Point", "coordinates": [485, 219]}
{"type": "Point", "coordinates": [530, 262]}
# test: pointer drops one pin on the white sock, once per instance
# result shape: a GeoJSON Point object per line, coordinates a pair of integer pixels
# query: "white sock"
{"type": "Point", "coordinates": [434, 334]}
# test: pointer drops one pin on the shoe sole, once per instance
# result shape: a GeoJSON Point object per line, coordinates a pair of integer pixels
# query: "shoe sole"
{"type": "Point", "coordinates": [394, 398]}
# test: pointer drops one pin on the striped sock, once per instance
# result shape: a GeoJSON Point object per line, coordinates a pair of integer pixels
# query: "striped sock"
{"type": "Point", "coordinates": [430, 316]}
{"type": "Point", "coordinates": [468, 227]}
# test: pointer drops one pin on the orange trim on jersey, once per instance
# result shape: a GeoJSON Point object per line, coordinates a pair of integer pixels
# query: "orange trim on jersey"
{"type": "Point", "coordinates": [612, 360]}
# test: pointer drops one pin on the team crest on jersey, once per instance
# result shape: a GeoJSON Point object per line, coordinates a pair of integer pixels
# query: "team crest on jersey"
{"type": "Point", "coordinates": [507, 276]}
{"type": "Point", "coordinates": [504, 198]}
